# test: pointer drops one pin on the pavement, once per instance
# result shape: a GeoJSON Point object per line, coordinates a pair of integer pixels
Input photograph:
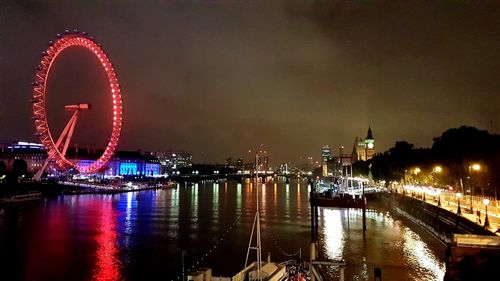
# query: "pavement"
{"type": "Point", "coordinates": [452, 206]}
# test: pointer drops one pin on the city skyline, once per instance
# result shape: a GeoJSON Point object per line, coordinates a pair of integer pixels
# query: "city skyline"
{"type": "Point", "coordinates": [221, 78]}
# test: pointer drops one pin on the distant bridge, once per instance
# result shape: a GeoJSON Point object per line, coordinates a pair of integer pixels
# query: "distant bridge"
{"type": "Point", "coordinates": [194, 177]}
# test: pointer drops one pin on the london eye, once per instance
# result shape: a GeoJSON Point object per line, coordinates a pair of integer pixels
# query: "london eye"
{"type": "Point", "coordinates": [56, 148]}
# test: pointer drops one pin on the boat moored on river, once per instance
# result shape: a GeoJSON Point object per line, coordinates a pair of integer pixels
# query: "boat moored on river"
{"type": "Point", "coordinates": [21, 197]}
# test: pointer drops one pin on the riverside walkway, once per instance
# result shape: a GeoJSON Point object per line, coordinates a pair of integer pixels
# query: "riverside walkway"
{"type": "Point", "coordinates": [473, 209]}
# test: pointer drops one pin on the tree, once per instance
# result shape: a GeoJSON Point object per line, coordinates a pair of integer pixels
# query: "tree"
{"type": "Point", "coordinates": [19, 168]}
{"type": "Point", "coordinates": [3, 168]}
{"type": "Point", "coordinates": [360, 168]}
{"type": "Point", "coordinates": [455, 151]}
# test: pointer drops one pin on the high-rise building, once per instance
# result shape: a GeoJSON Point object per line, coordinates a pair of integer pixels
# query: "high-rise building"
{"type": "Point", "coordinates": [173, 160]}
{"type": "Point", "coordinates": [239, 164]}
{"type": "Point", "coordinates": [326, 154]}
{"type": "Point", "coordinates": [263, 161]}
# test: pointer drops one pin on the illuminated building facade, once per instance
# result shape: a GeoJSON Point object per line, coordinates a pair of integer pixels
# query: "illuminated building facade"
{"type": "Point", "coordinates": [326, 154]}
{"type": "Point", "coordinates": [263, 161]}
{"type": "Point", "coordinates": [369, 145]}
{"type": "Point", "coordinates": [284, 169]}
{"type": "Point", "coordinates": [173, 160]}
{"type": "Point", "coordinates": [364, 149]}
{"type": "Point", "coordinates": [125, 163]}
{"type": "Point", "coordinates": [122, 163]}
{"type": "Point", "coordinates": [33, 153]}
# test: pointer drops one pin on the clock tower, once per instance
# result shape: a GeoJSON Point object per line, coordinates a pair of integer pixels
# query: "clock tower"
{"type": "Point", "coordinates": [369, 145]}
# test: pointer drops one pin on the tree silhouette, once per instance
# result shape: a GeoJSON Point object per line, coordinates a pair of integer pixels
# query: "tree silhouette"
{"type": "Point", "coordinates": [455, 150]}
{"type": "Point", "coordinates": [3, 168]}
{"type": "Point", "coordinates": [19, 168]}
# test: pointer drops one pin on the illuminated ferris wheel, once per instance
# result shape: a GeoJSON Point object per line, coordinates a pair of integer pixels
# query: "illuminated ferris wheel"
{"type": "Point", "coordinates": [56, 150]}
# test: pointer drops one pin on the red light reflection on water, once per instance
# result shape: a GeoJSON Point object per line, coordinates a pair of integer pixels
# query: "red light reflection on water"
{"type": "Point", "coordinates": [107, 263]}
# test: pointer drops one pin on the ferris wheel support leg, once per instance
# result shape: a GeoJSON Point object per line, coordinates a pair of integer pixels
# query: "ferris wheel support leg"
{"type": "Point", "coordinates": [66, 129]}
{"type": "Point", "coordinates": [38, 175]}
{"type": "Point", "coordinates": [65, 134]}
{"type": "Point", "coordinates": [70, 133]}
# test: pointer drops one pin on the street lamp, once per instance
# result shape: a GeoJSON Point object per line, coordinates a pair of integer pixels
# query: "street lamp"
{"type": "Point", "coordinates": [459, 212]}
{"type": "Point", "coordinates": [486, 221]}
{"type": "Point", "coordinates": [438, 169]}
{"type": "Point", "coordinates": [474, 167]}
{"type": "Point", "coordinates": [439, 198]}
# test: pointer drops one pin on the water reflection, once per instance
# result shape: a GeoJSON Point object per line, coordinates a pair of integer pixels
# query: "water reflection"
{"type": "Point", "coordinates": [287, 201]}
{"type": "Point", "coordinates": [215, 203]}
{"type": "Point", "coordinates": [398, 250]}
{"type": "Point", "coordinates": [194, 202]}
{"type": "Point", "coordinates": [215, 196]}
{"type": "Point", "coordinates": [421, 258]}
{"type": "Point", "coordinates": [140, 235]}
{"type": "Point", "coordinates": [262, 197]}
{"type": "Point", "coordinates": [107, 262]}
{"type": "Point", "coordinates": [298, 200]}
{"type": "Point", "coordinates": [238, 196]}
{"type": "Point", "coordinates": [275, 195]}
{"type": "Point", "coordinates": [333, 232]}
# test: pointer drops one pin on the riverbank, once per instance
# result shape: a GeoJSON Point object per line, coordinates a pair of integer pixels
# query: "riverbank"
{"type": "Point", "coordinates": [81, 191]}
{"type": "Point", "coordinates": [51, 189]}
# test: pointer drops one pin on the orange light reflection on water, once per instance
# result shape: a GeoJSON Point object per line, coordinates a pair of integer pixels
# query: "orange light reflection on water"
{"type": "Point", "coordinates": [275, 195]}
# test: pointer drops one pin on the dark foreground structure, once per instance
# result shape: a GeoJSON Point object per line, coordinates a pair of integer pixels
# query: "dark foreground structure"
{"type": "Point", "coordinates": [473, 257]}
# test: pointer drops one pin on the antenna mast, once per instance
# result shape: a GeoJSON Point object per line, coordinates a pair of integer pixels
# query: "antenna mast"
{"type": "Point", "coordinates": [256, 226]}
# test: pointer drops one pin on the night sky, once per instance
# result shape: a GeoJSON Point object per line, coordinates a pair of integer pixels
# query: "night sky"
{"type": "Point", "coordinates": [217, 78]}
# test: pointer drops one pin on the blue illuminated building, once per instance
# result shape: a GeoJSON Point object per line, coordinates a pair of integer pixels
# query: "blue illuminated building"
{"type": "Point", "coordinates": [123, 163]}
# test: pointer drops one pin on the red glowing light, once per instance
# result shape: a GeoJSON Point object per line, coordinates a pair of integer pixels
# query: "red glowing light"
{"type": "Point", "coordinates": [107, 263]}
{"type": "Point", "coordinates": [39, 93]}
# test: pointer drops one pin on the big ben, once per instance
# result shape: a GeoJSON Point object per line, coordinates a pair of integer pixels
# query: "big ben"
{"type": "Point", "coordinates": [369, 145]}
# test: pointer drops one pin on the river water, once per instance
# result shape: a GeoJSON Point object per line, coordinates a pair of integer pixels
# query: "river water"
{"type": "Point", "coordinates": [141, 235]}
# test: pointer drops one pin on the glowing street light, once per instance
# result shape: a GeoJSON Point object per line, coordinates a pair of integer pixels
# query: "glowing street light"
{"type": "Point", "coordinates": [459, 195]}
{"type": "Point", "coordinates": [438, 169]}
{"type": "Point", "coordinates": [417, 170]}
{"type": "Point", "coordinates": [486, 221]}
{"type": "Point", "coordinates": [476, 167]}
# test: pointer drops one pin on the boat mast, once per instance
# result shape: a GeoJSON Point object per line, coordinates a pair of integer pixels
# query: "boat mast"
{"type": "Point", "coordinates": [256, 226]}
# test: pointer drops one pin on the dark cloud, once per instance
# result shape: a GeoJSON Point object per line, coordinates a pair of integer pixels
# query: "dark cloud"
{"type": "Point", "coordinates": [220, 77]}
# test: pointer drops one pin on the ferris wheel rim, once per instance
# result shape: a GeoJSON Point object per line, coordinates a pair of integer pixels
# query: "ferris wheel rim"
{"type": "Point", "coordinates": [63, 42]}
